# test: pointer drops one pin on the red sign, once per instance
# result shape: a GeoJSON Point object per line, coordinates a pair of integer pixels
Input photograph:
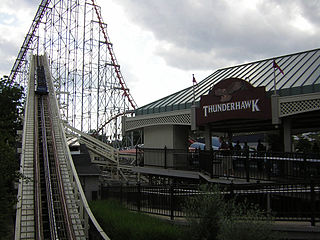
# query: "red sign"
{"type": "Point", "coordinates": [233, 98]}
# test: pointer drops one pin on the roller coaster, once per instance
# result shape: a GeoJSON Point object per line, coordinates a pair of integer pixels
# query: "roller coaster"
{"type": "Point", "coordinates": [52, 218]}
{"type": "Point", "coordinates": [76, 87]}
{"type": "Point", "coordinates": [52, 205]}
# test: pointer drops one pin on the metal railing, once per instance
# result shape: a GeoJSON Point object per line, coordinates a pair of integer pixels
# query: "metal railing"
{"type": "Point", "coordinates": [284, 201]}
{"type": "Point", "coordinates": [167, 158]}
{"type": "Point", "coordinates": [268, 166]}
{"type": "Point", "coordinates": [261, 166]}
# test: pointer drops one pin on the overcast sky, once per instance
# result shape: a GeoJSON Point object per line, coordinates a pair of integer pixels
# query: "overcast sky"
{"type": "Point", "coordinates": [161, 43]}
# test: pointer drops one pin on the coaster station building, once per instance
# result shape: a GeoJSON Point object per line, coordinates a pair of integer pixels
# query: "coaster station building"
{"type": "Point", "coordinates": [246, 99]}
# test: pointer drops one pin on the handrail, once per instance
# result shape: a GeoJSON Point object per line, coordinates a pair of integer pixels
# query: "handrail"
{"type": "Point", "coordinates": [100, 147]}
{"type": "Point", "coordinates": [90, 138]}
{"type": "Point", "coordinates": [79, 188]}
{"type": "Point", "coordinates": [26, 117]}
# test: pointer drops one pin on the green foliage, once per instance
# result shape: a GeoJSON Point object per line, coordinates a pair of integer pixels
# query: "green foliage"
{"type": "Point", "coordinates": [10, 101]}
{"type": "Point", "coordinates": [204, 213]}
{"type": "Point", "coordinates": [211, 217]}
{"type": "Point", "coordinates": [246, 222]}
{"type": "Point", "coordinates": [308, 143]}
{"type": "Point", "coordinates": [303, 145]}
{"type": "Point", "coordinates": [7, 197]}
{"type": "Point", "coordinates": [121, 224]}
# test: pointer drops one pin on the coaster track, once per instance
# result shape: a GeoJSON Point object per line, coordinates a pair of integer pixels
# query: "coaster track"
{"type": "Point", "coordinates": [52, 218]}
{"type": "Point", "coordinates": [52, 205]}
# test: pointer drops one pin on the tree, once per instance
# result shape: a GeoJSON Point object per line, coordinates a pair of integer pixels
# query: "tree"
{"type": "Point", "coordinates": [307, 142]}
{"type": "Point", "coordinates": [11, 107]}
{"type": "Point", "coordinates": [303, 145]}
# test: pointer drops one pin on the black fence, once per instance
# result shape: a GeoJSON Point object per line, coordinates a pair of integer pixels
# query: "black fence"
{"type": "Point", "coordinates": [159, 200]}
{"type": "Point", "coordinates": [288, 202]}
{"type": "Point", "coordinates": [166, 158]}
{"type": "Point", "coordinates": [231, 164]}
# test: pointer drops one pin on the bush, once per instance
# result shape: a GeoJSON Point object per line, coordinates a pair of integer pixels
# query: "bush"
{"type": "Point", "coordinates": [122, 224]}
{"type": "Point", "coordinates": [246, 222]}
{"type": "Point", "coordinates": [204, 213]}
{"type": "Point", "coordinates": [211, 217]}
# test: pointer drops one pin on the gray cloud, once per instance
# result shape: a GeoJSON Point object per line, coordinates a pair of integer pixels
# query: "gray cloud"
{"type": "Point", "coordinates": [18, 4]}
{"type": "Point", "coordinates": [309, 9]}
{"type": "Point", "coordinates": [205, 33]}
{"type": "Point", "coordinates": [12, 34]}
{"type": "Point", "coordinates": [7, 55]}
{"type": "Point", "coordinates": [208, 34]}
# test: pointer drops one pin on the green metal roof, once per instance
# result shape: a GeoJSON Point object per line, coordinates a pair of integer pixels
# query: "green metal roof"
{"type": "Point", "coordinates": [301, 76]}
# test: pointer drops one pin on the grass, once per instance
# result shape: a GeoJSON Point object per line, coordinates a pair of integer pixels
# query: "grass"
{"type": "Point", "coordinates": [122, 224]}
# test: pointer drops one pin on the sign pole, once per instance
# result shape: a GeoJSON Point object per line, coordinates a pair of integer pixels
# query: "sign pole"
{"type": "Point", "coordinates": [275, 97]}
{"type": "Point", "coordinates": [193, 82]}
{"type": "Point", "coordinates": [274, 79]}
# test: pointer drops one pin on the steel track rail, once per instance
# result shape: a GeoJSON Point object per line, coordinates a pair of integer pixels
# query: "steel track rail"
{"type": "Point", "coordinates": [67, 219]}
{"type": "Point", "coordinates": [67, 223]}
{"type": "Point", "coordinates": [51, 211]}
{"type": "Point", "coordinates": [54, 190]}
{"type": "Point", "coordinates": [37, 187]}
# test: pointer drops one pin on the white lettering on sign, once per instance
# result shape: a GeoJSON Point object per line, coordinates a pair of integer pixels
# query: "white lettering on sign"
{"type": "Point", "coordinates": [233, 106]}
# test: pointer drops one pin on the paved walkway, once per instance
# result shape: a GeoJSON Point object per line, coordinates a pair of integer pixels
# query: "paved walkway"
{"type": "Point", "coordinates": [290, 230]}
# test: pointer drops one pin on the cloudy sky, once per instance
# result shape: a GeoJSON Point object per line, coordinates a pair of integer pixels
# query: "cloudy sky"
{"type": "Point", "coordinates": [160, 44]}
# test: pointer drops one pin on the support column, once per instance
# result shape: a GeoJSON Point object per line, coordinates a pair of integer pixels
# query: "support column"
{"type": "Point", "coordinates": [275, 109]}
{"type": "Point", "coordinates": [230, 135]}
{"type": "Point", "coordinates": [193, 118]}
{"type": "Point", "coordinates": [287, 140]}
{"type": "Point", "coordinates": [208, 138]}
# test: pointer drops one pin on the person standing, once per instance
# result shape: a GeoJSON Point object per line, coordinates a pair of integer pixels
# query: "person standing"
{"type": "Point", "coordinates": [260, 149]}
{"type": "Point", "coordinates": [260, 146]}
{"type": "Point", "coordinates": [245, 148]}
{"type": "Point", "coordinates": [223, 144]}
{"type": "Point", "coordinates": [237, 147]}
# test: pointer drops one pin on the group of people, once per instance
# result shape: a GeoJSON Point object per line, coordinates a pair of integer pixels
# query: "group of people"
{"type": "Point", "coordinates": [228, 164]}
{"type": "Point", "coordinates": [245, 148]}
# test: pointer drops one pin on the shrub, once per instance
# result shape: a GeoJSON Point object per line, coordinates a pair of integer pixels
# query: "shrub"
{"type": "Point", "coordinates": [246, 222]}
{"type": "Point", "coordinates": [204, 213]}
{"type": "Point", "coordinates": [211, 217]}
{"type": "Point", "coordinates": [122, 224]}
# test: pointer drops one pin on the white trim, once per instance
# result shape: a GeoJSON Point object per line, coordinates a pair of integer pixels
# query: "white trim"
{"type": "Point", "coordinates": [180, 117]}
{"type": "Point", "coordinates": [300, 97]}
{"type": "Point", "coordinates": [292, 105]}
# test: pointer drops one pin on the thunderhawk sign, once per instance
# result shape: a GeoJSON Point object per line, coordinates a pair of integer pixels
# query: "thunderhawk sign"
{"type": "Point", "coordinates": [233, 98]}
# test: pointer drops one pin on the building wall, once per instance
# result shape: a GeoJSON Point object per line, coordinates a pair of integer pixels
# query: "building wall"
{"type": "Point", "coordinates": [158, 136]}
{"type": "Point", "coordinates": [91, 186]}
{"type": "Point", "coordinates": [180, 136]}
{"type": "Point", "coordinates": [171, 136]}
